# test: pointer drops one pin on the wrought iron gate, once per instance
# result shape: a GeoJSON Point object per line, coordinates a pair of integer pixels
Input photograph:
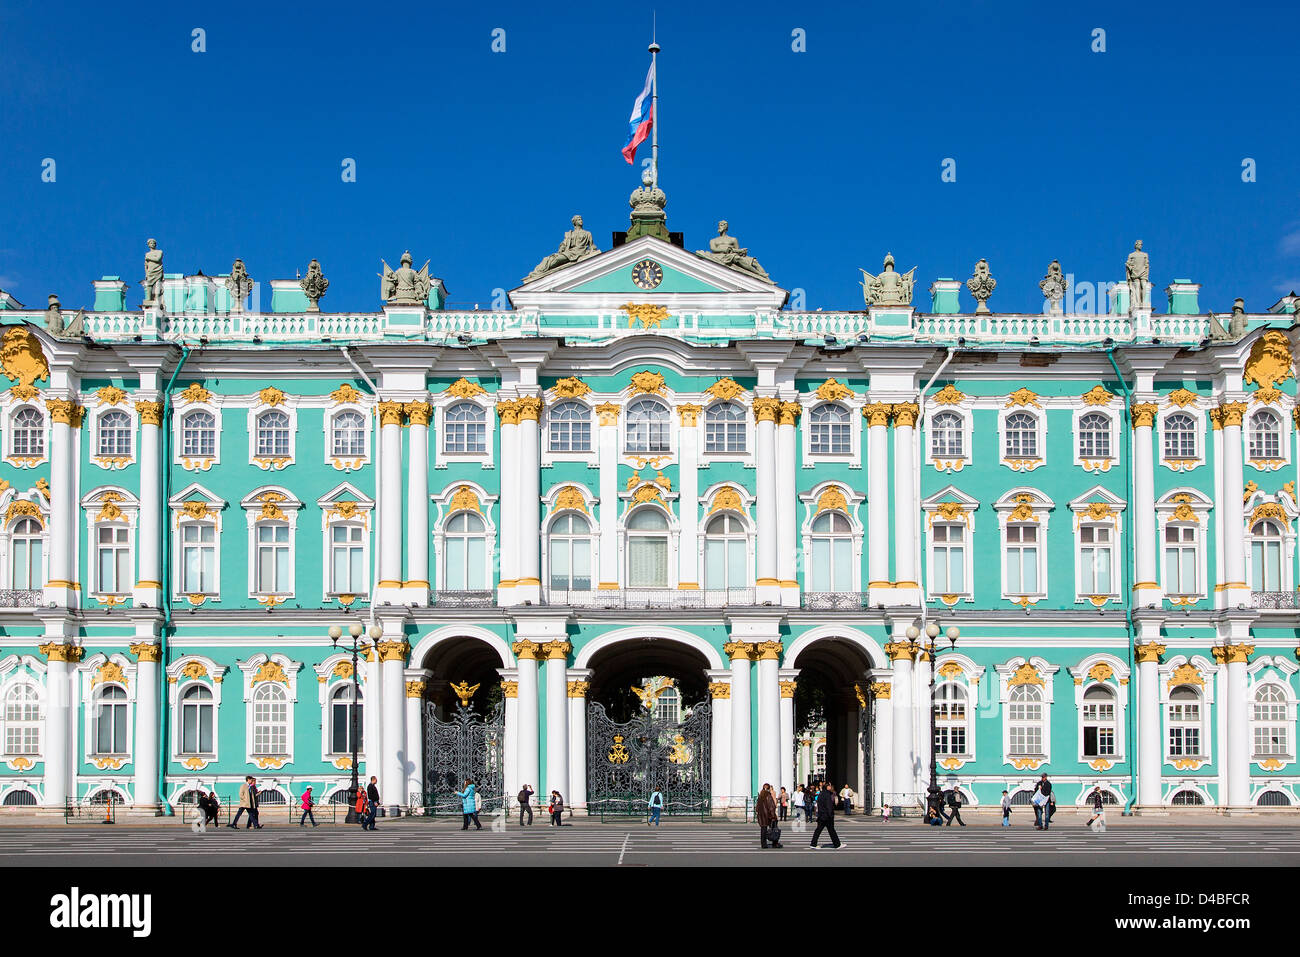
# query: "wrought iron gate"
{"type": "Point", "coordinates": [626, 763]}
{"type": "Point", "coordinates": [467, 745]}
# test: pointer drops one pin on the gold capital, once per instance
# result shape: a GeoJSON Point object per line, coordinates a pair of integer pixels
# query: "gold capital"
{"type": "Point", "coordinates": [419, 412]}
{"type": "Point", "coordinates": [556, 650]}
{"type": "Point", "coordinates": [689, 414]}
{"type": "Point", "coordinates": [1142, 414]}
{"type": "Point", "coordinates": [579, 689]}
{"type": "Point", "coordinates": [61, 410]}
{"type": "Point", "coordinates": [416, 689]}
{"type": "Point", "coordinates": [1148, 653]}
{"type": "Point", "coordinates": [150, 412]}
{"type": "Point", "coordinates": [147, 651]}
{"type": "Point", "coordinates": [722, 689]}
{"type": "Point", "coordinates": [880, 689]}
{"type": "Point", "coordinates": [736, 650]}
{"type": "Point", "coordinates": [899, 650]}
{"type": "Point", "coordinates": [608, 412]}
{"type": "Point", "coordinates": [530, 407]}
{"type": "Point", "coordinates": [790, 412]}
{"type": "Point", "coordinates": [526, 650]}
{"type": "Point", "coordinates": [56, 651]}
{"type": "Point", "coordinates": [905, 414]}
{"type": "Point", "coordinates": [510, 689]}
{"type": "Point", "coordinates": [769, 650]}
{"type": "Point", "coordinates": [877, 414]}
{"type": "Point", "coordinates": [393, 650]}
{"type": "Point", "coordinates": [787, 688]}
{"type": "Point", "coordinates": [390, 413]}
{"type": "Point", "coordinates": [1232, 413]}
{"type": "Point", "coordinates": [766, 408]}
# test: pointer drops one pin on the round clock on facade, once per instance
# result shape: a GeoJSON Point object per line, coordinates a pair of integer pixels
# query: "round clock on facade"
{"type": "Point", "coordinates": [647, 274]}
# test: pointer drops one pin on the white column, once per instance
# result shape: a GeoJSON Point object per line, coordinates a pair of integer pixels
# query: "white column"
{"type": "Point", "coordinates": [1238, 707]}
{"type": "Point", "coordinates": [882, 748]}
{"type": "Point", "coordinates": [61, 588]}
{"type": "Point", "coordinates": [906, 589]}
{"type": "Point", "coordinates": [879, 583]}
{"type": "Point", "coordinates": [416, 685]}
{"type": "Point", "coordinates": [510, 693]}
{"type": "Point", "coordinates": [58, 709]}
{"type": "Point", "coordinates": [508, 413]}
{"type": "Point", "coordinates": [740, 788]}
{"type": "Point", "coordinates": [769, 714]}
{"type": "Point", "coordinates": [788, 773]}
{"type": "Point", "coordinates": [148, 587]}
{"type": "Point", "coordinates": [579, 684]}
{"type": "Point", "coordinates": [805, 761]}
{"type": "Point", "coordinates": [786, 496]}
{"type": "Point", "coordinates": [372, 715]}
{"type": "Point", "coordinates": [528, 587]}
{"type": "Point", "coordinates": [1236, 591]}
{"type": "Point", "coordinates": [1146, 590]}
{"type": "Point", "coordinates": [921, 718]}
{"type": "Point", "coordinates": [389, 586]}
{"type": "Point", "coordinates": [720, 744]}
{"type": "Point", "coordinates": [392, 776]}
{"type": "Point", "coordinates": [147, 722]}
{"type": "Point", "coordinates": [557, 716]}
{"type": "Point", "coordinates": [608, 438]}
{"type": "Point", "coordinates": [417, 504]}
{"type": "Point", "coordinates": [765, 411]}
{"type": "Point", "coordinates": [900, 651]}
{"type": "Point", "coordinates": [1148, 718]}
{"type": "Point", "coordinates": [688, 487]}
{"type": "Point", "coordinates": [529, 753]}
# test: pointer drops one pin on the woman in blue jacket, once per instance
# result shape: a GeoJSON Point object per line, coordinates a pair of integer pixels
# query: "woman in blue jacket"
{"type": "Point", "coordinates": [469, 806]}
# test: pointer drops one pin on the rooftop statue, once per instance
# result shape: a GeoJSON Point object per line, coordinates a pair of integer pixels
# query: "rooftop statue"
{"type": "Point", "coordinates": [153, 274]}
{"type": "Point", "coordinates": [240, 284]}
{"type": "Point", "coordinates": [404, 286]}
{"type": "Point", "coordinates": [981, 285]}
{"type": "Point", "coordinates": [1053, 286]}
{"type": "Point", "coordinates": [576, 246]}
{"type": "Point", "coordinates": [727, 250]}
{"type": "Point", "coordinates": [648, 202]}
{"type": "Point", "coordinates": [314, 285]}
{"type": "Point", "coordinates": [889, 288]}
{"type": "Point", "coordinates": [1137, 271]}
{"type": "Point", "coordinates": [54, 321]}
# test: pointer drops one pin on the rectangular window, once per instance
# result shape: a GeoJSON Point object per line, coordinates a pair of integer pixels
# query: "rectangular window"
{"type": "Point", "coordinates": [647, 562]}
{"type": "Point", "coordinates": [114, 560]}
{"type": "Point", "coordinates": [196, 729]}
{"type": "Point", "coordinates": [948, 574]}
{"type": "Point", "coordinates": [273, 560]}
{"type": "Point", "coordinates": [1095, 560]}
{"type": "Point", "coordinates": [1022, 560]}
{"type": "Point", "coordinates": [198, 559]}
{"type": "Point", "coordinates": [1180, 560]}
{"type": "Point", "coordinates": [347, 560]}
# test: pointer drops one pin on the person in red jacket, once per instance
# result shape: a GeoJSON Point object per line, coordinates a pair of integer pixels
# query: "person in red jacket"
{"type": "Point", "coordinates": [307, 805]}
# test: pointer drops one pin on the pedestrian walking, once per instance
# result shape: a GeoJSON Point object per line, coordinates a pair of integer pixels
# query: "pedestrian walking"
{"type": "Point", "coordinates": [525, 806]}
{"type": "Point", "coordinates": [1098, 820]}
{"type": "Point", "coordinates": [847, 797]}
{"type": "Point", "coordinates": [656, 806]}
{"type": "Point", "coordinates": [469, 806]}
{"type": "Point", "coordinates": [307, 805]}
{"type": "Point", "coordinates": [954, 807]}
{"type": "Point", "coordinates": [245, 802]}
{"type": "Point", "coordinates": [766, 814]}
{"type": "Point", "coordinates": [783, 803]}
{"type": "Point", "coordinates": [254, 812]}
{"type": "Point", "coordinates": [1042, 797]}
{"type": "Point", "coordinates": [826, 816]}
{"type": "Point", "coordinates": [884, 814]}
{"type": "Point", "coordinates": [362, 807]}
{"type": "Point", "coordinates": [1006, 809]}
{"type": "Point", "coordinates": [800, 807]}
{"type": "Point", "coordinates": [557, 809]}
{"type": "Point", "coordinates": [1050, 810]}
{"type": "Point", "coordinates": [372, 792]}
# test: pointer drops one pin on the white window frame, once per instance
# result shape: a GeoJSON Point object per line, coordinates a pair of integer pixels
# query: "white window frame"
{"type": "Point", "coordinates": [1286, 552]}
{"type": "Point", "coordinates": [672, 532]}
{"type": "Point", "coordinates": [272, 462]}
{"type": "Point", "coordinates": [10, 455]}
{"type": "Point", "coordinates": [966, 723]}
{"type": "Point", "coordinates": [40, 513]}
{"type": "Point", "coordinates": [95, 502]}
{"type": "Point", "coordinates": [949, 463]}
{"type": "Point", "coordinates": [253, 505]}
{"type": "Point", "coordinates": [854, 500]}
{"type": "Point", "coordinates": [749, 534]}
{"type": "Point", "coordinates": [969, 679]}
{"type": "Point", "coordinates": [852, 458]}
{"type": "Point", "coordinates": [1166, 509]}
{"type": "Point", "coordinates": [1287, 722]}
{"type": "Point", "coordinates": [362, 517]}
{"type": "Point", "coordinates": [592, 456]}
{"type": "Point", "coordinates": [250, 669]}
{"type": "Point", "coordinates": [1006, 508]}
{"type": "Point", "coordinates": [328, 683]}
{"type": "Point", "coordinates": [487, 404]}
{"type": "Point", "coordinates": [196, 463]}
{"type": "Point", "coordinates": [933, 516]}
{"type": "Point", "coordinates": [180, 517]}
{"type": "Point", "coordinates": [1084, 678]}
{"type": "Point", "coordinates": [747, 423]}
{"type": "Point", "coordinates": [1263, 463]}
{"type": "Point", "coordinates": [91, 690]}
{"type": "Point", "coordinates": [1006, 672]}
{"type": "Point", "coordinates": [1096, 463]}
{"type": "Point", "coordinates": [593, 544]}
{"type": "Point", "coordinates": [348, 463]}
{"type": "Point", "coordinates": [1039, 415]}
{"type": "Point", "coordinates": [674, 443]}
{"type": "Point", "coordinates": [442, 503]}
{"type": "Point", "coordinates": [1081, 507]}
{"type": "Point", "coordinates": [1198, 418]}
{"type": "Point", "coordinates": [186, 671]}
{"type": "Point", "coordinates": [112, 462]}
{"type": "Point", "coordinates": [1208, 672]}
{"type": "Point", "coordinates": [32, 683]}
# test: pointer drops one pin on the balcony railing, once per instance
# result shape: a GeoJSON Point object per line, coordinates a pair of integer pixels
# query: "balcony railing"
{"type": "Point", "coordinates": [20, 597]}
{"type": "Point", "coordinates": [465, 599]}
{"type": "Point", "coordinates": [663, 598]}
{"type": "Point", "coordinates": [1275, 599]}
{"type": "Point", "coordinates": [835, 600]}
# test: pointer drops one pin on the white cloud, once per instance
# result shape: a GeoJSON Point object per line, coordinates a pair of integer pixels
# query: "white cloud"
{"type": "Point", "coordinates": [1291, 243]}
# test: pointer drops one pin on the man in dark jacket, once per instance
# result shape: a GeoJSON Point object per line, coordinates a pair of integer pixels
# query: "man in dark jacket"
{"type": "Point", "coordinates": [1042, 812]}
{"type": "Point", "coordinates": [525, 807]}
{"type": "Point", "coordinates": [372, 793]}
{"type": "Point", "coordinates": [826, 816]}
{"type": "Point", "coordinates": [954, 807]}
{"type": "Point", "coordinates": [765, 811]}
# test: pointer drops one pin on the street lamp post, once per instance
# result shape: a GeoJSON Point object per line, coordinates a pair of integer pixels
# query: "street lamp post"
{"type": "Point", "coordinates": [934, 794]}
{"type": "Point", "coordinates": [355, 631]}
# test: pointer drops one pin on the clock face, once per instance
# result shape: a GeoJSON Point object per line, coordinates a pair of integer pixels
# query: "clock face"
{"type": "Point", "coordinates": [647, 274]}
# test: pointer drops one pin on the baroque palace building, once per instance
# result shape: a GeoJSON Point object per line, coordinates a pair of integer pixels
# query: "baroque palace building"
{"type": "Point", "coordinates": [648, 466]}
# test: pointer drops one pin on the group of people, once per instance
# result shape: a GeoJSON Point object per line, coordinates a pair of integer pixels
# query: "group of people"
{"type": "Point", "coordinates": [525, 797]}
{"type": "Point", "coordinates": [770, 811]}
{"type": "Point", "coordinates": [935, 813]}
{"type": "Point", "coordinates": [804, 801]}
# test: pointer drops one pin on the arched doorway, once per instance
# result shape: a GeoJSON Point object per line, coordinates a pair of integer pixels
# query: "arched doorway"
{"type": "Point", "coordinates": [464, 724]}
{"type": "Point", "coordinates": [648, 728]}
{"type": "Point", "coordinates": [833, 710]}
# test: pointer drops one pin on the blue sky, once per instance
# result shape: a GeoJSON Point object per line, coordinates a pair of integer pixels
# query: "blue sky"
{"type": "Point", "coordinates": [822, 161]}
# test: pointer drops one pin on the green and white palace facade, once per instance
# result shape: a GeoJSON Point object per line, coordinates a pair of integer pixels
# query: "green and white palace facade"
{"type": "Point", "coordinates": [646, 467]}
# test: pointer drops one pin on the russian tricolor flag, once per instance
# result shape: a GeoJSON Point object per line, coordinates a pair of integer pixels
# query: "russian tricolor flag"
{"type": "Point", "coordinates": [642, 117]}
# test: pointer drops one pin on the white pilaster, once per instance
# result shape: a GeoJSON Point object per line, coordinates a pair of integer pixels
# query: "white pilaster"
{"type": "Point", "coordinates": [416, 685]}
{"type": "Point", "coordinates": [1236, 591]}
{"type": "Point", "coordinates": [528, 586]}
{"type": "Point", "coordinates": [906, 589]}
{"type": "Point", "coordinates": [557, 717]}
{"type": "Point", "coordinates": [607, 436]}
{"type": "Point", "coordinates": [148, 587]}
{"type": "Point", "coordinates": [510, 693]}
{"type": "Point", "coordinates": [147, 719]}
{"type": "Point", "coordinates": [508, 413]}
{"type": "Point", "coordinates": [393, 651]}
{"type": "Point", "coordinates": [1146, 590]}
{"type": "Point", "coordinates": [688, 482]}
{"type": "Point", "coordinates": [1234, 653]}
{"type": "Point", "coordinates": [900, 651]}
{"type": "Point", "coordinates": [770, 764]}
{"type": "Point", "coordinates": [740, 790]}
{"type": "Point", "coordinates": [389, 506]}
{"type": "Point", "coordinates": [1147, 653]}
{"type": "Point", "coordinates": [882, 748]}
{"type": "Point", "coordinates": [417, 584]}
{"type": "Point", "coordinates": [372, 714]}
{"type": "Point", "coordinates": [786, 520]}
{"type": "Point", "coordinates": [720, 744]}
{"type": "Point", "coordinates": [62, 587]}
{"type": "Point", "coordinates": [788, 773]}
{"type": "Point", "coordinates": [768, 584]}
{"type": "Point", "coordinates": [579, 683]}
{"type": "Point", "coordinates": [879, 584]}
{"type": "Point", "coordinates": [529, 749]}
{"type": "Point", "coordinates": [921, 718]}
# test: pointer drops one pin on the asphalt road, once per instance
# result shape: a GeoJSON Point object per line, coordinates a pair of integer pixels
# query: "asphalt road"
{"type": "Point", "coordinates": [866, 843]}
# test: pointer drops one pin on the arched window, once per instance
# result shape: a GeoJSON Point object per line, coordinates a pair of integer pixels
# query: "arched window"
{"type": "Point", "coordinates": [273, 434]}
{"type": "Point", "coordinates": [819, 760]}
{"type": "Point", "coordinates": [1272, 799]}
{"type": "Point", "coordinates": [832, 554]}
{"type": "Point", "coordinates": [1184, 713]}
{"type": "Point", "coordinates": [647, 549]}
{"type": "Point", "coordinates": [1095, 560]}
{"type": "Point", "coordinates": [1271, 727]}
{"type": "Point", "coordinates": [270, 796]}
{"type": "Point", "coordinates": [1265, 435]}
{"type": "Point", "coordinates": [198, 558]}
{"type": "Point", "coordinates": [950, 718]}
{"type": "Point", "coordinates": [724, 428]}
{"type": "Point", "coordinates": [274, 569]}
{"type": "Point", "coordinates": [110, 721]}
{"type": "Point", "coordinates": [1094, 436]}
{"type": "Point", "coordinates": [465, 553]}
{"type": "Point", "coordinates": [348, 560]}
{"type": "Point", "coordinates": [830, 430]}
{"type": "Point", "coordinates": [668, 706]}
{"type": "Point", "coordinates": [22, 720]}
{"type": "Point", "coordinates": [1022, 798]}
{"type": "Point", "coordinates": [647, 426]}
{"type": "Point", "coordinates": [115, 434]}
{"type": "Point", "coordinates": [345, 704]}
{"type": "Point", "coordinates": [113, 559]}
{"type": "Point", "coordinates": [20, 798]}
{"type": "Point", "coordinates": [1025, 722]}
{"type": "Point", "coordinates": [726, 554]}
{"type": "Point", "coordinates": [1266, 556]}
{"type": "Point", "coordinates": [1180, 436]}
{"type": "Point", "coordinates": [1186, 798]}
{"type": "Point", "coordinates": [26, 555]}
{"type": "Point", "coordinates": [270, 719]}
{"type": "Point", "coordinates": [1021, 432]}
{"type": "Point", "coordinates": [28, 438]}
{"type": "Point", "coordinates": [348, 435]}
{"type": "Point", "coordinates": [570, 427]}
{"type": "Point", "coordinates": [948, 550]}
{"type": "Point", "coordinates": [946, 436]}
{"type": "Point", "coordinates": [1181, 559]}
{"type": "Point", "coordinates": [197, 720]}
{"type": "Point", "coordinates": [1099, 722]}
{"type": "Point", "coordinates": [464, 428]}
{"type": "Point", "coordinates": [199, 434]}
{"type": "Point", "coordinates": [570, 553]}
{"type": "Point", "coordinates": [1022, 558]}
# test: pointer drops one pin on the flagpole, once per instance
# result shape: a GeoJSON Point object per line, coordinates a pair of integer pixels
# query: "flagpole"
{"type": "Point", "coordinates": [654, 113]}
